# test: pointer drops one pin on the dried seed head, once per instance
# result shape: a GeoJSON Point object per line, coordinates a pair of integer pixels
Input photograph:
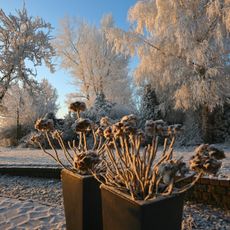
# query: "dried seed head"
{"type": "Point", "coordinates": [77, 106]}
{"type": "Point", "coordinates": [154, 127]}
{"type": "Point", "coordinates": [129, 119]}
{"type": "Point", "coordinates": [117, 129]}
{"type": "Point", "coordinates": [38, 138]}
{"type": "Point", "coordinates": [56, 134]}
{"type": "Point", "coordinates": [108, 134]}
{"type": "Point", "coordinates": [206, 159]}
{"type": "Point", "coordinates": [100, 132]}
{"type": "Point", "coordinates": [82, 125]}
{"type": "Point", "coordinates": [129, 129]}
{"type": "Point", "coordinates": [167, 171]}
{"type": "Point", "coordinates": [86, 161]}
{"type": "Point", "coordinates": [201, 149]}
{"type": "Point", "coordinates": [216, 153]}
{"type": "Point", "coordinates": [44, 125]}
{"type": "Point", "coordinates": [104, 122]}
{"type": "Point", "coordinates": [174, 129]}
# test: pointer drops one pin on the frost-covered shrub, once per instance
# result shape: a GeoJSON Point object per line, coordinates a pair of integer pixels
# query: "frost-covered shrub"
{"type": "Point", "coordinates": [8, 136]}
{"type": "Point", "coordinates": [11, 135]}
{"type": "Point", "coordinates": [148, 103]}
{"type": "Point", "coordinates": [102, 107]}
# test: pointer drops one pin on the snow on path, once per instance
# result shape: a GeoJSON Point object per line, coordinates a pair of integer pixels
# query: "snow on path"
{"type": "Point", "coordinates": [17, 214]}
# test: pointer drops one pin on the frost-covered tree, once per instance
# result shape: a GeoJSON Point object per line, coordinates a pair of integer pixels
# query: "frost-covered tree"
{"type": "Point", "coordinates": [23, 107]}
{"type": "Point", "coordinates": [184, 50]}
{"type": "Point", "coordinates": [96, 68]}
{"type": "Point", "coordinates": [24, 45]}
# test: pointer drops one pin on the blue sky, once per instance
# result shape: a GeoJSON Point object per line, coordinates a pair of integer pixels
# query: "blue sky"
{"type": "Point", "coordinates": [53, 11]}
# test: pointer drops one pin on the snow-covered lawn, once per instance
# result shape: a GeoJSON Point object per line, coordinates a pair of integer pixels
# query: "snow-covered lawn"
{"type": "Point", "coordinates": [15, 156]}
{"type": "Point", "coordinates": [23, 156]}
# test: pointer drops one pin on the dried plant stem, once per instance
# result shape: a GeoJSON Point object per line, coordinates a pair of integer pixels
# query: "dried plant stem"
{"type": "Point", "coordinates": [169, 188]}
{"type": "Point", "coordinates": [151, 186]}
{"type": "Point", "coordinates": [101, 149]}
{"type": "Point", "coordinates": [170, 150]}
{"type": "Point", "coordinates": [144, 154]}
{"type": "Point", "coordinates": [110, 154]}
{"type": "Point", "coordinates": [85, 146]}
{"type": "Point", "coordinates": [165, 146]}
{"type": "Point", "coordinates": [118, 153]}
{"type": "Point", "coordinates": [64, 147]}
{"type": "Point", "coordinates": [73, 148]}
{"type": "Point", "coordinates": [46, 151]}
{"type": "Point", "coordinates": [94, 140]}
{"type": "Point", "coordinates": [53, 148]}
{"type": "Point", "coordinates": [65, 151]}
{"type": "Point", "coordinates": [80, 141]}
{"type": "Point", "coordinates": [187, 187]}
{"type": "Point", "coordinates": [99, 143]}
{"type": "Point", "coordinates": [127, 153]}
{"type": "Point", "coordinates": [185, 178]}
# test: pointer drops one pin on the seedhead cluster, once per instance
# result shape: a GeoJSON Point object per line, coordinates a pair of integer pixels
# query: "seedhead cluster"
{"type": "Point", "coordinates": [138, 169]}
{"type": "Point", "coordinates": [120, 156]}
{"type": "Point", "coordinates": [79, 156]}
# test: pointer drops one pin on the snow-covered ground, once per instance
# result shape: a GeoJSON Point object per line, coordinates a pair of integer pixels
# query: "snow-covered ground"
{"type": "Point", "coordinates": [37, 204]}
{"type": "Point", "coordinates": [18, 214]}
{"type": "Point", "coordinates": [17, 157]}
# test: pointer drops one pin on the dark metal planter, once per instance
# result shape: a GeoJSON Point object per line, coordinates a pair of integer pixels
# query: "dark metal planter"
{"type": "Point", "coordinates": [82, 201]}
{"type": "Point", "coordinates": [122, 213]}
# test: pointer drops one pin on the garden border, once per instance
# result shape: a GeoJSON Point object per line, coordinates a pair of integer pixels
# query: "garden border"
{"type": "Point", "coordinates": [214, 191]}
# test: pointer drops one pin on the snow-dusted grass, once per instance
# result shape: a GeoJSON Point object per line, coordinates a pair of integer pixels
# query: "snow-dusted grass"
{"type": "Point", "coordinates": [15, 156]}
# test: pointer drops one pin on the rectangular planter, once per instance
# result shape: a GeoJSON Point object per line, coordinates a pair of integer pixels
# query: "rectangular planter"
{"type": "Point", "coordinates": [122, 213]}
{"type": "Point", "coordinates": [82, 201]}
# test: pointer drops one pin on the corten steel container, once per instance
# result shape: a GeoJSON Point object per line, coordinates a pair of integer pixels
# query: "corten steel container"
{"type": "Point", "coordinates": [82, 201]}
{"type": "Point", "coordinates": [122, 213]}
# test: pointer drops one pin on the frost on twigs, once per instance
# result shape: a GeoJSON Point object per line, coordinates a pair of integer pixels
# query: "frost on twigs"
{"type": "Point", "coordinates": [183, 48]}
{"type": "Point", "coordinates": [24, 39]}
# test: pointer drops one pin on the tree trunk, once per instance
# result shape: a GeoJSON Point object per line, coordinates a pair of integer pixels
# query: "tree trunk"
{"type": "Point", "coordinates": [205, 124]}
{"type": "Point", "coordinates": [18, 131]}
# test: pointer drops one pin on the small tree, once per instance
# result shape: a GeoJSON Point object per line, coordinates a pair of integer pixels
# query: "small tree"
{"type": "Point", "coordinates": [24, 45]}
{"type": "Point", "coordinates": [148, 103]}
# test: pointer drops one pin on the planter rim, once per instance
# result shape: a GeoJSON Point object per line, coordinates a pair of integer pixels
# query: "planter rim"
{"type": "Point", "coordinates": [79, 176]}
{"type": "Point", "coordinates": [137, 202]}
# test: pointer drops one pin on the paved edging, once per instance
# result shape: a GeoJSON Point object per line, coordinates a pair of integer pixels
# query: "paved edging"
{"type": "Point", "coordinates": [32, 171]}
